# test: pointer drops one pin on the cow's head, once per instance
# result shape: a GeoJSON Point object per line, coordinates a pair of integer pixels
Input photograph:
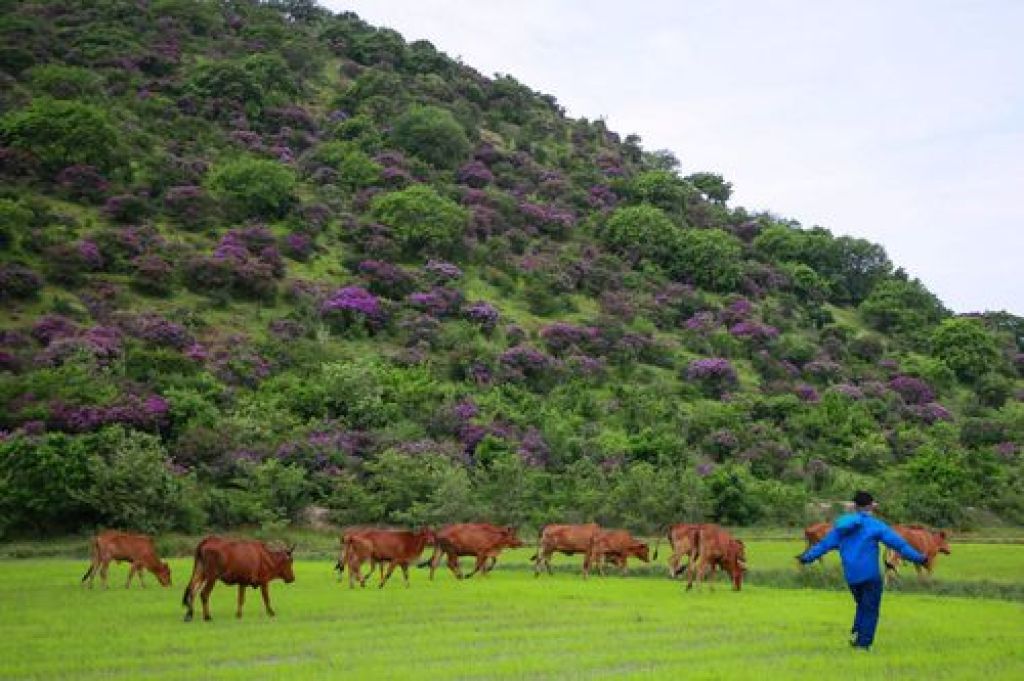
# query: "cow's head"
{"type": "Point", "coordinates": [942, 541]}
{"type": "Point", "coordinates": [163, 573]}
{"type": "Point", "coordinates": [736, 562]}
{"type": "Point", "coordinates": [511, 539]}
{"type": "Point", "coordinates": [641, 551]}
{"type": "Point", "coordinates": [428, 535]}
{"type": "Point", "coordinates": [283, 564]}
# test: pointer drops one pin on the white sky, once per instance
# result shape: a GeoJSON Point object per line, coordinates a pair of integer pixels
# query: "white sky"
{"type": "Point", "coordinates": [899, 121]}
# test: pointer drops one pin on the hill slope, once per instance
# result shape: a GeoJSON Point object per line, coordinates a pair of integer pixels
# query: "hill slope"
{"type": "Point", "coordinates": [258, 256]}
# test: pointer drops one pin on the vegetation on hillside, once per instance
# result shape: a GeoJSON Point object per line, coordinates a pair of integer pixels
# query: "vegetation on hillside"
{"type": "Point", "coordinates": [256, 257]}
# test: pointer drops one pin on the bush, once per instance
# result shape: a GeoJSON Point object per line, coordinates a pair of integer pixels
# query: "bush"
{"type": "Point", "coordinates": [133, 487]}
{"type": "Point", "coordinates": [18, 282]}
{"type": "Point", "coordinates": [432, 134]}
{"type": "Point", "coordinates": [967, 347]}
{"type": "Point", "coordinates": [900, 306]}
{"type": "Point", "coordinates": [42, 479]}
{"type": "Point", "coordinates": [709, 258]}
{"type": "Point", "coordinates": [420, 219]}
{"type": "Point", "coordinates": [64, 82]}
{"type": "Point", "coordinates": [65, 133]}
{"type": "Point", "coordinates": [254, 187]}
{"type": "Point", "coordinates": [643, 231]}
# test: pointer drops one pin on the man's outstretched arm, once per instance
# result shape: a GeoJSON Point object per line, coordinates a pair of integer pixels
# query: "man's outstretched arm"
{"type": "Point", "coordinates": [894, 541]}
{"type": "Point", "coordinates": [830, 542]}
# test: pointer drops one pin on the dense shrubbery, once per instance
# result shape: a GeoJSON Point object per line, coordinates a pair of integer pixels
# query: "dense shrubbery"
{"type": "Point", "coordinates": [612, 342]}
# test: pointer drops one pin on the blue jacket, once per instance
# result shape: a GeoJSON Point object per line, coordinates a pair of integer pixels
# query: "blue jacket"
{"type": "Point", "coordinates": [856, 535]}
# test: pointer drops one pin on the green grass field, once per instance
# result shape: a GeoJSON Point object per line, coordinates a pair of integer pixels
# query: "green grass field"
{"type": "Point", "coordinates": [507, 625]}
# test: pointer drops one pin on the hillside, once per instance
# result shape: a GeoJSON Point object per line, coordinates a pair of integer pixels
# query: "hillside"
{"type": "Point", "coordinates": [256, 257]}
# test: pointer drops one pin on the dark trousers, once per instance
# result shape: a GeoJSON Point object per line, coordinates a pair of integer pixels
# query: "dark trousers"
{"type": "Point", "coordinates": [868, 596]}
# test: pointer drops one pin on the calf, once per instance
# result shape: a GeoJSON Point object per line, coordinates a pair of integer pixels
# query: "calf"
{"type": "Point", "coordinates": [137, 549]}
{"type": "Point", "coordinates": [236, 561]}
{"type": "Point", "coordinates": [614, 545]}
{"type": "Point", "coordinates": [567, 539]}
{"type": "Point", "coordinates": [717, 548]}
{"type": "Point", "coordinates": [480, 540]}
{"type": "Point", "coordinates": [928, 542]}
{"type": "Point", "coordinates": [683, 538]}
{"type": "Point", "coordinates": [395, 547]}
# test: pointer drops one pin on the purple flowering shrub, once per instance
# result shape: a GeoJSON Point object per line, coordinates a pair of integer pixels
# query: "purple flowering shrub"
{"type": "Point", "coordinates": [753, 331]}
{"type": "Point", "coordinates": [475, 174]}
{"type": "Point", "coordinates": [157, 330]}
{"type": "Point", "coordinates": [442, 272]}
{"type": "Point", "coordinates": [913, 390]}
{"type": "Point", "coordinates": [386, 279]}
{"type": "Point", "coordinates": [561, 338]}
{"type": "Point", "coordinates": [298, 246]}
{"type": "Point", "coordinates": [439, 302]}
{"type": "Point", "coordinates": [547, 219]}
{"type": "Point", "coordinates": [807, 393]}
{"type": "Point", "coordinates": [930, 412]}
{"type": "Point", "coordinates": [82, 182]}
{"type": "Point", "coordinates": [152, 274]}
{"type": "Point", "coordinates": [352, 308]}
{"type": "Point", "coordinates": [714, 375]}
{"type": "Point", "coordinates": [144, 413]}
{"type": "Point", "coordinates": [126, 208]}
{"type": "Point", "coordinates": [191, 206]}
{"type": "Point", "coordinates": [482, 313]}
{"type": "Point", "coordinates": [528, 365]}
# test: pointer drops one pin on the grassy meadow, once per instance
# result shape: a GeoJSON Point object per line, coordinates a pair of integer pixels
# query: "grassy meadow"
{"type": "Point", "coordinates": [508, 625]}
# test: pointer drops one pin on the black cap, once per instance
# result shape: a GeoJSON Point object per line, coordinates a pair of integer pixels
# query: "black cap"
{"type": "Point", "coordinates": [862, 498]}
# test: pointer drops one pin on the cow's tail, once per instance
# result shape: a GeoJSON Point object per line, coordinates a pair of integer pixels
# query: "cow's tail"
{"type": "Point", "coordinates": [94, 554]}
{"type": "Point", "coordinates": [197, 570]}
{"type": "Point", "coordinates": [342, 558]}
{"type": "Point", "coordinates": [540, 538]}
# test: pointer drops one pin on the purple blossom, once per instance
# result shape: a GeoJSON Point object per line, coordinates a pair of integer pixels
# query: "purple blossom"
{"type": "Point", "coordinates": [51, 327]}
{"type": "Point", "coordinates": [601, 196]}
{"type": "Point", "coordinates": [286, 329]}
{"type": "Point", "coordinates": [547, 218]}
{"type": "Point", "coordinates": [89, 252]}
{"type": "Point", "coordinates": [386, 279]}
{"type": "Point", "coordinates": [482, 313]}
{"type": "Point", "coordinates": [823, 368]}
{"type": "Point", "coordinates": [754, 331]}
{"type": "Point", "coordinates": [560, 337]}
{"type": "Point", "coordinates": [523, 361]}
{"type": "Point", "coordinates": [701, 322]}
{"type": "Point", "coordinates": [160, 331]}
{"type": "Point", "coordinates": [196, 352]}
{"type": "Point", "coordinates": [18, 281]}
{"type": "Point", "coordinates": [443, 270]}
{"type": "Point", "coordinates": [533, 449]}
{"type": "Point", "coordinates": [475, 174]}
{"type": "Point", "coordinates": [913, 390]}
{"type": "Point", "coordinates": [1006, 450]}
{"type": "Point", "coordinates": [737, 311]}
{"type": "Point", "coordinates": [465, 410]}
{"type": "Point", "coordinates": [352, 299]}
{"type": "Point", "coordinates": [715, 374]}
{"type": "Point", "coordinates": [849, 391]}
{"type": "Point", "coordinates": [298, 246]}
{"type": "Point", "coordinates": [807, 393]}
{"type": "Point", "coordinates": [930, 412]}
{"type": "Point", "coordinates": [705, 469]}
{"type": "Point", "coordinates": [83, 182]}
{"type": "Point", "coordinates": [439, 301]}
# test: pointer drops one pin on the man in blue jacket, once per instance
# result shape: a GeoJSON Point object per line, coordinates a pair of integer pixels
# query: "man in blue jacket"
{"type": "Point", "coordinates": [856, 535]}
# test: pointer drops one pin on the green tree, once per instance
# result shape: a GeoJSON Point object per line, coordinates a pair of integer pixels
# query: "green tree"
{"type": "Point", "coordinates": [711, 185]}
{"type": "Point", "coordinates": [254, 187]}
{"type": "Point", "coordinates": [433, 135]}
{"type": "Point", "coordinates": [642, 230]}
{"type": "Point", "coordinates": [901, 306]}
{"type": "Point", "coordinates": [61, 133]}
{"type": "Point", "coordinates": [711, 258]}
{"type": "Point", "coordinates": [967, 347]}
{"type": "Point", "coordinates": [421, 219]}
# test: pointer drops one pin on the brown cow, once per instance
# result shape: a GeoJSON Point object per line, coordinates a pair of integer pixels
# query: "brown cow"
{"type": "Point", "coordinates": [616, 545]}
{"type": "Point", "coordinates": [137, 549]}
{"type": "Point", "coordinates": [356, 550]}
{"type": "Point", "coordinates": [236, 561]}
{"type": "Point", "coordinates": [567, 539]}
{"type": "Point", "coordinates": [683, 538]}
{"type": "Point", "coordinates": [481, 540]}
{"type": "Point", "coordinates": [717, 548]}
{"type": "Point", "coordinates": [395, 547]}
{"type": "Point", "coordinates": [928, 542]}
{"type": "Point", "coordinates": [815, 532]}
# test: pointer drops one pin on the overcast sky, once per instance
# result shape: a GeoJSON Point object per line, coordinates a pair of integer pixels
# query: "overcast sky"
{"type": "Point", "coordinates": [898, 121]}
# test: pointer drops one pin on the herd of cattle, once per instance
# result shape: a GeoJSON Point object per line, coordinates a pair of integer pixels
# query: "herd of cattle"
{"type": "Point", "coordinates": [249, 563]}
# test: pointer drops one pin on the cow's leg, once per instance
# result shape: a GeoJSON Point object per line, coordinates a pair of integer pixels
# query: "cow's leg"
{"type": "Point", "coordinates": [673, 564]}
{"type": "Point", "coordinates": [355, 572]}
{"type": "Point", "coordinates": [435, 560]}
{"type": "Point", "coordinates": [625, 565]}
{"type": "Point", "coordinates": [104, 566]}
{"type": "Point", "coordinates": [265, 592]}
{"type": "Point", "coordinates": [481, 562]}
{"type": "Point", "coordinates": [139, 570]}
{"type": "Point", "coordinates": [453, 565]}
{"type": "Point", "coordinates": [385, 577]}
{"type": "Point", "coordinates": [405, 574]}
{"type": "Point", "coordinates": [241, 601]}
{"type": "Point", "coordinates": [205, 596]}
{"type": "Point", "coordinates": [131, 573]}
